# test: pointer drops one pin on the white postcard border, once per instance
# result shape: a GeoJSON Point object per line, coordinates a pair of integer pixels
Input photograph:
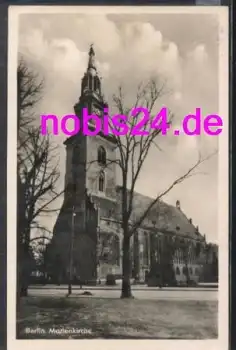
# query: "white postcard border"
{"type": "Point", "coordinates": [222, 342]}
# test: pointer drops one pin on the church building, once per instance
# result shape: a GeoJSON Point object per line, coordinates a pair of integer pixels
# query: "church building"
{"type": "Point", "coordinates": [90, 216]}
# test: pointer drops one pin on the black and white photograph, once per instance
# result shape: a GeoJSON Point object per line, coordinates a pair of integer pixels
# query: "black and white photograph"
{"type": "Point", "coordinates": [118, 210]}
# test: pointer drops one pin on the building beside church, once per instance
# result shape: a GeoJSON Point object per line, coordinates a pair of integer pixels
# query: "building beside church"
{"type": "Point", "coordinates": [91, 211]}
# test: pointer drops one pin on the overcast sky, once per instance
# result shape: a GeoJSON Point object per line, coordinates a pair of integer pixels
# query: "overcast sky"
{"type": "Point", "coordinates": [129, 49]}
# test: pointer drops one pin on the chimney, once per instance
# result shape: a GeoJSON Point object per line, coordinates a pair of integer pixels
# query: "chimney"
{"type": "Point", "coordinates": [197, 229]}
{"type": "Point", "coordinates": [178, 204]}
{"type": "Point", "coordinates": [190, 221]}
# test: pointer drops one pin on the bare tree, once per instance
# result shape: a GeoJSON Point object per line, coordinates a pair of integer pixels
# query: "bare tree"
{"type": "Point", "coordinates": [37, 172]}
{"type": "Point", "coordinates": [132, 152]}
{"type": "Point", "coordinates": [29, 93]}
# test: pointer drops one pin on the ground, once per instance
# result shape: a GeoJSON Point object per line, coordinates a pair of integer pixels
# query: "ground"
{"type": "Point", "coordinates": [139, 292]}
{"type": "Point", "coordinates": [118, 318]}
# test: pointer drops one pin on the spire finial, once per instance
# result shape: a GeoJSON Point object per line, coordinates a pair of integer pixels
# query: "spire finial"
{"type": "Point", "coordinates": [91, 62]}
{"type": "Point", "coordinates": [91, 51]}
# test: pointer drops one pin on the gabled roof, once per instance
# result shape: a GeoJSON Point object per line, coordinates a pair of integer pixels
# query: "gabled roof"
{"type": "Point", "coordinates": [162, 216]}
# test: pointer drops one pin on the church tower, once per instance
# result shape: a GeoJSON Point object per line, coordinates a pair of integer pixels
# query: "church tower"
{"type": "Point", "coordinates": [90, 159]}
{"type": "Point", "coordinates": [90, 179]}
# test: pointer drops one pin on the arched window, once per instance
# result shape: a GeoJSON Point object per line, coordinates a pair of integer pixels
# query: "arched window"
{"type": "Point", "coordinates": [97, 84]}
{"type": "Point", "coordinates": [90, 82]}
{"type": "Point", "coordinates": [101, 182]}
{"type": "Point", "coordinates": [84, 84]}
{"type": "Point", "coordinates": [198, 249]}
{"type": "Point", "coordinates": [101, 156]}
{"type": "Point", "coordinates": [177, 271]}
{"type": "Point", "coordinates": [104, 247]}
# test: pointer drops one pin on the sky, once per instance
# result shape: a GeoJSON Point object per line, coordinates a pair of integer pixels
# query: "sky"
{"type": "Point", "coordinates": [182, 48]}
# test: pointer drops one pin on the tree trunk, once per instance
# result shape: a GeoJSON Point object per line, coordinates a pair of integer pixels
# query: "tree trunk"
{"type": "Point", "coordinates": [126, 287]}
{"type": "Point", "coordinates": [25, 278]}
{"type": "Point", "coordinates": [23, 272]}
{"type": "Point", "coordinates": [22, 283]}
{"type": "Point", "coordinates": [136, 257]}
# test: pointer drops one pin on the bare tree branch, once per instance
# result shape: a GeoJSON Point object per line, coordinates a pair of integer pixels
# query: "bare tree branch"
{"type": "Point", "coordinates": [178, 181]}
{"type": "Point", "coordinates": [37, 168]}
{"type": "Point", "coordinates": [133, 150]}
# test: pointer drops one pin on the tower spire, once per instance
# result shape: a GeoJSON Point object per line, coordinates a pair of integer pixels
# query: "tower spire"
{"type": "Point", "coordinates": [91, 62]}
{"type": "Point", "coordinates": [91, 81]}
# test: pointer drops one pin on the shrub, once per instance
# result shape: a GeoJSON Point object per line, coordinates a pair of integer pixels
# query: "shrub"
{"type": "Point", "coordinates": [37, 280]}
{"type": "Point", "coordinates": [111, 280]}
{"type": "Point", "coordinates": [192, 283]}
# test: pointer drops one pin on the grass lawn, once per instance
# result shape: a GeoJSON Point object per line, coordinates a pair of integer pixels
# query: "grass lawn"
{"type": "Point", "coordinates": [118, 318]}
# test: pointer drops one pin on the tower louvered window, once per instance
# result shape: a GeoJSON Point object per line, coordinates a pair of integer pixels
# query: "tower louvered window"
{"type": "Point", "coordinates": [101, 156]}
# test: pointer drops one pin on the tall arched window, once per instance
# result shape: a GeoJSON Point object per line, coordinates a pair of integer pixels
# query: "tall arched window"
{"type": "Point", "coordinates": [97, 84]}
{"type": "Point", "coordinates": [101, 182]}
{"type": "Point", "coordinates": [177, 271]}
{"type": "Point", "coordinates": [101, 156]}
{"type": "Point", "coordinates": [90, 79]}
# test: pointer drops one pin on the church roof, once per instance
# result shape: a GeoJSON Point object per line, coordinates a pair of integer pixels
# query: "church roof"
{"type": "Point", "coordinates": [107, 208]}
{"type": "Point", "coordinates": [162, 216]}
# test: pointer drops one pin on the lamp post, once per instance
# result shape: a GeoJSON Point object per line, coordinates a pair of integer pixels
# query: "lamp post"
{"type": "Point", "coordinates": [155, 242]}
{"type": "Point", "coordinates": [98, 250]}
{"type": "Point", "coordinates": [141, 251]}
{"type": "Point", "coordinates": [71, 251]}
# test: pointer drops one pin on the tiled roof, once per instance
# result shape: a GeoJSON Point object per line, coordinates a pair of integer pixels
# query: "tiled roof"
{"type": "Point", "coordinates": [165, 216]}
